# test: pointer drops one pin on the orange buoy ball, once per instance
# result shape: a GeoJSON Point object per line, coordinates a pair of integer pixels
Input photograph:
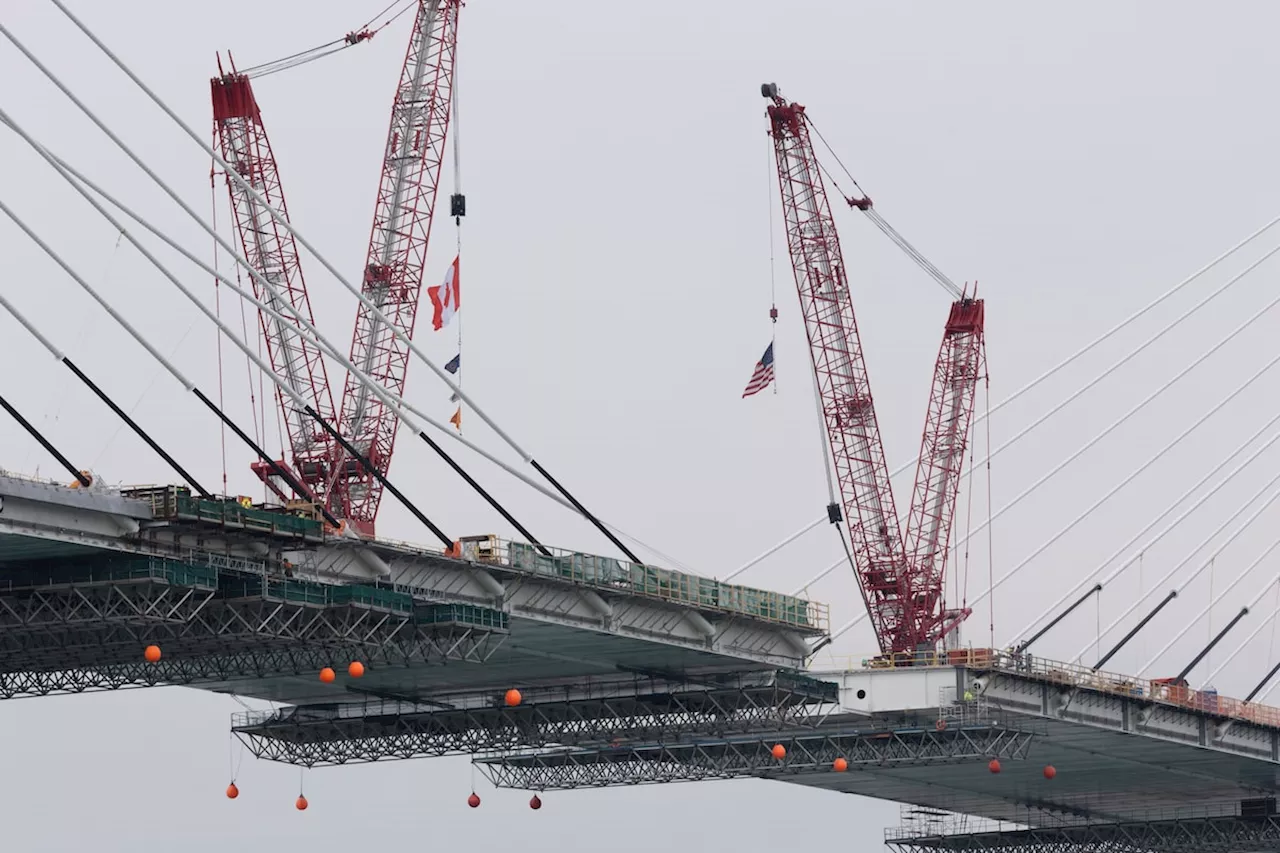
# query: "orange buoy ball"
{"type": "Point", "coordinates": [779, 751]}
{"type": "Point", "coordinates": [512, 698]}
{"type": "Point", "coordinates": [355, 669]}
{"type": "Point", "coordinates": [1050, 771]}
{"type": "Point", "coordinates": [473, 800]}
{"type": "Point", "coordinates": [994, 765]}
{"type": "Point", "coordinates": [327, 675]}
{"type": "Point", "coordinates": [535, 803]}
{"type": "Point", "coordinates": [152, 653]}
{"type": "Point", "coordinates": [301, 803]}
{"type": "Point", "coordinates": [232, 791]}
{"type": "Point", "coordinates": [840, 765]}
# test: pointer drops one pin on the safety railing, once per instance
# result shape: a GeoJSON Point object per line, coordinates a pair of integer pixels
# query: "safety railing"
{"type": "Point", "coordinates": [111, 570]}
{"type": "Point", "coordinates": [647, 581]}
{"type": "Point", "coordinates": [1161, 690]}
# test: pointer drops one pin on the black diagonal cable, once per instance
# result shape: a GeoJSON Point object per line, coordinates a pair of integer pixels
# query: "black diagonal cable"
{"type": "Point", "coordinates": [133, 425]}
{"type": "Point", "coordinates": [582, 509]}
{"type": "Point", "coordinates": [1025, 644]}
{"type": "Point", "coordinates": [1263, 683]}
{"type": "Point", "coordinates": [480, 490]}
{"type": "Point", "coordinates": [1186, 670]}
{"type": "Point", "coordinates": [1136, 628]}
{"type": "Point", "coordinates": [276, 467]}
{"type": "Point", "coordinates": [44, 442]}
{"type": "Point", "coordinates": [377, 475]}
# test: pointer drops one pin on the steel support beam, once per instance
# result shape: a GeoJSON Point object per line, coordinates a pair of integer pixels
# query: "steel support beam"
{"type": "Point", "coordinates": [1205, 835]}
{"type": "Point", "coordinates": [751, 757]}
{"type": "Point", "coordinates": [310, 737]}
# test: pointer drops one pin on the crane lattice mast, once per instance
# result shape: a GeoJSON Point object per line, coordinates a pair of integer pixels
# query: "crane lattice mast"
{"type": "Point", "coordinates": [271, 249]}
{"type": "Point", "coordinates": [392, 278]}
{"type": "Point", "coordinates": [900, 577]}
{"type": "Point", "coordinates": [398, 247]}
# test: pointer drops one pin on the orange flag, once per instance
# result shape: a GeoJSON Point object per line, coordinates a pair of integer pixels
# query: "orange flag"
{"type": "Point", "coordinates": [456, 420]}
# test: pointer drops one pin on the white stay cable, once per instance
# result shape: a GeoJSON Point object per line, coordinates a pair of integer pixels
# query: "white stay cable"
{"type": "Point", "coordinates": [308, 331]}
{"type": "Point", "coordinates": [1247, 640]}
{"type": "Point", "coordinates": [1204, 565]}
{"type": "Point", "coordinates": [843, 561]}
{"type": "Point", "coordinates": [1133, 475]}
{"type": "Point", "coordinates": [1021, 635]}
{"type": "Point", "coordinates": [980, 417]}
{"type": "Point", "coordinates": [776, 548]}
{"type": "Point", "coordinates": [1214, 602]}
{"type": "Point", "coordinates": [257, 196]}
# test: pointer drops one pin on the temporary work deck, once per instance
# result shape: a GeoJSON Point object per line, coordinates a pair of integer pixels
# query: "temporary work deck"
{"type": "Point", "coordinates": [1123, 751]}
{"type": "Point", "coordinates": [256, 601]}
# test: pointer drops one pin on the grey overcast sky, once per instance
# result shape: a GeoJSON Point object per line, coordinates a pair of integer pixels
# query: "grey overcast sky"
{"type": "Point", "coordinates": [1076, 160]}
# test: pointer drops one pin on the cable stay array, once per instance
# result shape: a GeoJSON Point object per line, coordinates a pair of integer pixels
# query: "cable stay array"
{"type": "Point", "coordinates": [980, 417]}
{"type": "Point", "coordinates": [1208, 608]}
{"type": "Point", "coordinates": [394, 403]}
{"type": "Point", "coordinates": [1024, 644]}
{"type": "Point", "coordinates": [1176, 589]}
{"type": "Point", "coordinates": [1133, 411]}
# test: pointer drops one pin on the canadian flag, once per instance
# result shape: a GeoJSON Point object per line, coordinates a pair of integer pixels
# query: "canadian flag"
{"type": "Point", "coordinates": [445, 298]}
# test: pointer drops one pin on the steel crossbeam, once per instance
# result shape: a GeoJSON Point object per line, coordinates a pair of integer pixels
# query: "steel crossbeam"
{"type": "Point", "coordinates": [1204, 835]}
{"type": "Point", "coordinates": [313, 737]}
{"type": "Point", "coordinates": [750, 757]}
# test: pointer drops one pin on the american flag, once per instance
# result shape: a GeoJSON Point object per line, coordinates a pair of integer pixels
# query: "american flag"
{"type": "Point", "coordinates": [763, 374]}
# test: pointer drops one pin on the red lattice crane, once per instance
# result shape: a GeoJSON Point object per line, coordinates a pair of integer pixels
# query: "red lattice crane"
{"type": "Point", "coordinates": [900, 575]}
{"type": "Point", "coordinates": [392, 277]}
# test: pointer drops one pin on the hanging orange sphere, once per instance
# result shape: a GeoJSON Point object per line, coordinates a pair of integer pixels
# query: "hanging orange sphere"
{"type": "Point", "coordinates": [1050, 771]}
{"type": "Point", "coordinates": [535, 803]}
{"type": "Point", "coordinates": [301, 803]}
{"type": "Point", "coordinates": [473, 800]}
{"type": "Point", "coordinates": [840, 765]}
{"type": "Point", "coordinates": [355, 669]}
{"type": "Point", "coordinates": [994, 765]}
{"type": "Point", "coordinates": [152, 653]}
{"type": "Point", "coordinates": [327, 675]}
{"type": "Point", "coordinates": [779, 751]}
{"type": "Point", "coordinates": [232, 791]}
{"type": "Point", "coordinates": [512, 698]}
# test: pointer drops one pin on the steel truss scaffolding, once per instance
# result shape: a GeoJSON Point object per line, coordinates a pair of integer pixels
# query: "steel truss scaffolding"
{"type": "Point", "coordinates": [327, 736]}
{"type": "Point", "coordinates": [1202, 835]}
{"type": "Point", "coordinates": [81, 636]}
{"type": "Point", "coordinates": [751, 757]}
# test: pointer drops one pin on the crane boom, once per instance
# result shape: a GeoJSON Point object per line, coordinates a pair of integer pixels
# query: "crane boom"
{"type": "Point", "coordinates": [900, 577]}
{"type": "Point", "coordinates": [843, 385]}
{"type": "Point", "coordinates": [242, 140]}
{"type": "Point", "coordinates": [398, 247]}
{"type": "Point", "coordinates": [960, 365]}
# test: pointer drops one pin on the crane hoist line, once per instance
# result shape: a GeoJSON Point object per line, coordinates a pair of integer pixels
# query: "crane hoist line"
{"type": "Point", "coordinates": [900, 570]}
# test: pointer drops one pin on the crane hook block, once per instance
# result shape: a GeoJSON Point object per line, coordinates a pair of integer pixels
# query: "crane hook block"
{"type": "Point", "coordinates": [457, 205]}
{"type": "Point", "coordinates": [834, 515]}
{"type": "Point", "coordinates": [769, 90]}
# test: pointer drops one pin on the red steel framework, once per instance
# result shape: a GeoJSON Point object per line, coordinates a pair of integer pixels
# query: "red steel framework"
{"type": "Point", "coordinates": [273, 253]}
{"type": "Point", "coordinates": [397, 255]}
{"type": "Point", "coordinates": [901, 578]}
{"type": "Point", "coordinates": [392, 277]}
